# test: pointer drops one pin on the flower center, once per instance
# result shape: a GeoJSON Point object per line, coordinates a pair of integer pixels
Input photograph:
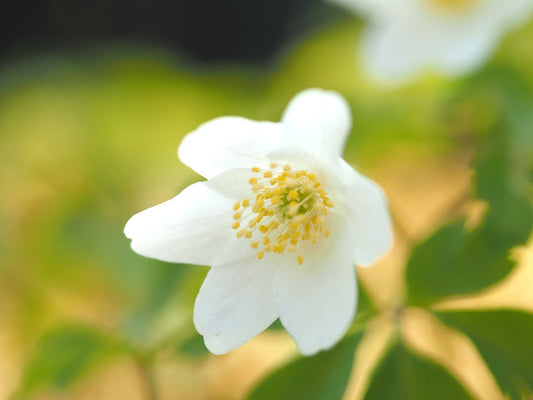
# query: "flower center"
{"type": "Point", "coordinates": [451, 7]}
{"type": "Point", "coordinates": [285, 209]}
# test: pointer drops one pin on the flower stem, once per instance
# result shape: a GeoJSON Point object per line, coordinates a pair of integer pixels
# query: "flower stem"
{"type": "Point", "coordinates": [147, 378]}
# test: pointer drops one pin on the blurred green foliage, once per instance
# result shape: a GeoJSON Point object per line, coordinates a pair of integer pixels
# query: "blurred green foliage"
{"type": "Point", "coordinates": [403, 375]}
{"type": "Point", "coordinates": [323, 376]}
{"type": "Point", "coordinates": [87, 141]}
{"type": "Point", "coordinates": [503, 337]}
{"type": "Point", "coordinates": [64, 355]}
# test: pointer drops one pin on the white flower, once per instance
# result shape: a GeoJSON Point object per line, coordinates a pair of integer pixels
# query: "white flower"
{"type": "Point", "coordinates": [405, 37]}
{"type": "Point", "coordinates": [281, 219]}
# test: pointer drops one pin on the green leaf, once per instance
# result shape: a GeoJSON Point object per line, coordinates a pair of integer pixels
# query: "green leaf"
{"type": "Point", "coordinates": [366, 308]}
{"type": "Point", "coordinates": [403, 375]}
{"type": "Point", "coordinates": [194, 347]}
{"type": "Point", "coordinates": [454, 261]}
{"type": "Point", "coordinates": [504, 339]}
{"type": "Point", "coordinates": [320, 377]}
{"type": "Point", "coordinates": [62, 356]}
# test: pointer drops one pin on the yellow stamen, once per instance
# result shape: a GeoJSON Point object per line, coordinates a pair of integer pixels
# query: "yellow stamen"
{"type": "Point", "coordinates": [288, 207]}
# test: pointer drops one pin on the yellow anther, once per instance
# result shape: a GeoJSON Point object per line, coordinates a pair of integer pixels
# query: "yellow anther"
{"type": "Point", "coordinates": [283, 237]}
{"type": "Point", "coordinates": [288, 206]}
{"type": "Point", "coordinates": [294, 224]}
{"type": "Point", "coordinates": [326, 233]}
{"type": "Point", "coordinates": [318, 207]}
{"type": "Point", "coordinates": [293, 208]}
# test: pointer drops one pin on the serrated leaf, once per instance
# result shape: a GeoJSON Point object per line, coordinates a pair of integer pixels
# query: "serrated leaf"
{"type": "Point", "coordinates": [63, 356]}
{"type": "Point", "coordinates": [320, 377]}
{"type": "Point", "coordinates": [456, 262]}
{"type": "Point", "coordinates": [504, 339]}
{"type": "Point", "coordinates": [403, 375]}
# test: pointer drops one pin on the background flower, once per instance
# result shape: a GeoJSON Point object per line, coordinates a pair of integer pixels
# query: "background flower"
{"type": "Point", "coordinates": [407, 37]}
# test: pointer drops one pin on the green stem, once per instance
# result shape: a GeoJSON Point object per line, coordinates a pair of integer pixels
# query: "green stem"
{"type": "Point", "coordinates": [146, 375]}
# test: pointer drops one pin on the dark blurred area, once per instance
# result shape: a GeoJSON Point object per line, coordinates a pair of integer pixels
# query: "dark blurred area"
{"type": "Point", "coordinates": [206, 31]}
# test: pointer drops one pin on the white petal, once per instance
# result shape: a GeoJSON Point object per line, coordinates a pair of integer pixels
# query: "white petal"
{"type": "Point", "coordinates": [195, 226]}
{"type": "Point", "coordinates": [317, 300]}
{"type": "Point", "coordinates": [317, 120]}
{"type": "Point", "coordinates": [514, 13]}
{"type": "Point", "coordinates": [395, 50]}
{"type": "Point", "coordinates": [368, 214]}
{"type": "Point", "coordinates": [414, 39]}
{"type": "Point", "coordinates": [235, 304]}
{"type": "Point", "coordinates": [462, 53]}
{"type": "Point", "coordinates": [228, 142]}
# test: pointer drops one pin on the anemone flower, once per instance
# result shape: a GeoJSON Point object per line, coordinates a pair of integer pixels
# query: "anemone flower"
{"type": "Point", "coordinates": [282, 220]}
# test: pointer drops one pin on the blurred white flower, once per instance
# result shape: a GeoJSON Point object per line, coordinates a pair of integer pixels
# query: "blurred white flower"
{"type": "Point", "coordinates": [281, 219]}
{"type": "Point", "coordinates": [405, 37]}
